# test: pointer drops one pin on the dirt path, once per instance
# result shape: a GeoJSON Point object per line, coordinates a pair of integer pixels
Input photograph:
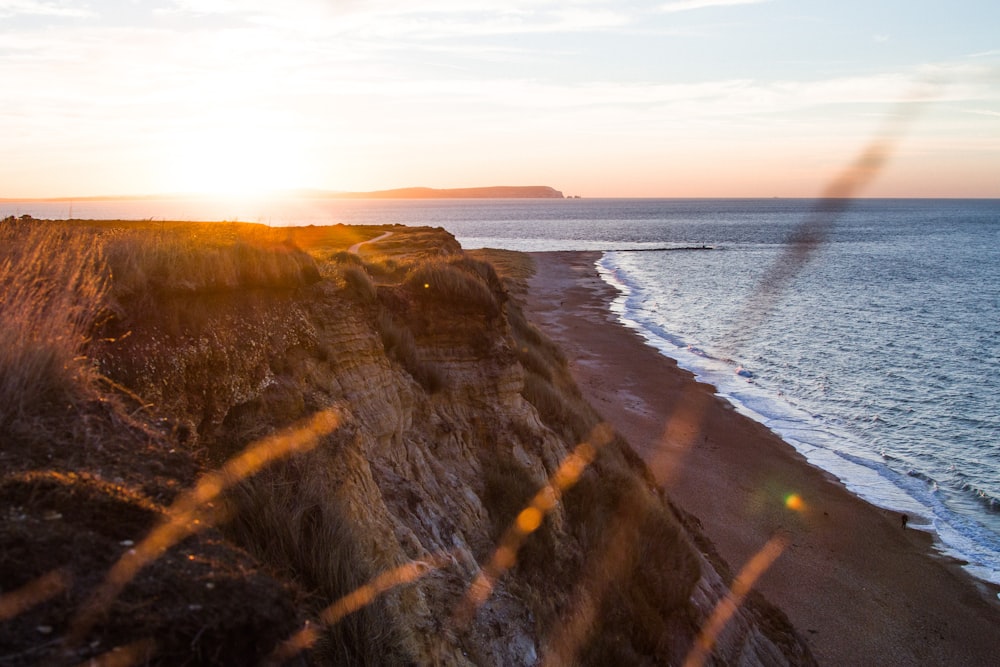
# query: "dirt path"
{"type": "Point", "coordinates": [356, 248]}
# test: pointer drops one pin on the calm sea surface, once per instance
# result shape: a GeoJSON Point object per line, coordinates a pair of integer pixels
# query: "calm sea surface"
{"type": "Point", "coordinates": [879, 358]}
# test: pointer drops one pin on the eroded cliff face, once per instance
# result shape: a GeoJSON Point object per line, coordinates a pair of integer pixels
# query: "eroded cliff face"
{"type": "Point", "coordinates": [434, 457]}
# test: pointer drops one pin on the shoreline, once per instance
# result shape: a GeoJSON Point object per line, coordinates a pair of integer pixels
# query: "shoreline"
{"type": "Point", "coordinates": [866, 578]}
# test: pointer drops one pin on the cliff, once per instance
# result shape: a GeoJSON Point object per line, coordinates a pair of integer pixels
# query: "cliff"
{"type": "Point", "coordinates": [393, 533]}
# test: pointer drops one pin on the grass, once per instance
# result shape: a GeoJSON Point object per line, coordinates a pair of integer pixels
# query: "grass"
{"type": "Point", "coordinates": [291, 519]}
{"type": "Point", "coordinates": [58, 282]}
{"type": "Point", "coordinates": [613, 504]}
{"type": "Point", "coordinates": [400, 345]}
{"type": "Point", "coordinates": [652, 565]}
{"type": "Point", "coordinates": [457, 281]}
{"type": "Point", "coordinates": [359, 283]}
{"type": "Point", "coordinates": [53, 285]}
{"type": "Point", "coordinates": [187, 261]}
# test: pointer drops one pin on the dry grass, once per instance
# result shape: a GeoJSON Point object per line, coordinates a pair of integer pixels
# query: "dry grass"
{"type": "Point", "coordinates": [508, 488]}
{"type": "Point", "coordinates": [52, 288]}
{"type": "Point", "coordinates": [385, 268]}
{"type": "Point", "coordinates": [291, 519]}
{"type": "Point", "coordinates": [359, 283]}
{"type": "Point", "coordinates": [419, 244]}
{"type": "Point", "coordinates": [514, 268]}
{"type": "Point", "coordinates": [55, 280]}
{"type": "Point", "coordinates": [401, 346]}
{"type": "Point", "coordinates": [547, 382]}
{"type": "Point", "coordinates": [187, 261]}
{"type": "Point", "coordinates": [457, 281]}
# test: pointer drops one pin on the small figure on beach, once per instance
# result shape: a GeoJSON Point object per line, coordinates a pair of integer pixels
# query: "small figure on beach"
{"type": "Point", "coordinates": [903, 519]}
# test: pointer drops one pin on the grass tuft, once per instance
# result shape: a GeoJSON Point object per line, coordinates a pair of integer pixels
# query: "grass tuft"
{"type": "Point", "coordinates": [290, 518]}
{"type": "Point", "coordinates": [457, 281]}
{"type": "Point", "coordinates": [53, 284]}
{"type": "Point", "coordinates": [360, 284]}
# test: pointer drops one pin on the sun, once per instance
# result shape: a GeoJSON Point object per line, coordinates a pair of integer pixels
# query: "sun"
{"type": "Point", "coordinates": [239, 158]}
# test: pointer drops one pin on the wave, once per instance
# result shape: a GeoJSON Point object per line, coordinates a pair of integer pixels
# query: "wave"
{"type": "Point", "coordinates": [883, 480]}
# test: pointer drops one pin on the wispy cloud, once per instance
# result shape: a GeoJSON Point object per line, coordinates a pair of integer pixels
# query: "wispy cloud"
{"type": "Point", "coordinates": [10, 8]}
{"type": "Point", "coordinates": [688, 5]}
{"type": "Point", "coordinates": [431, 20]}
{"type": "Point", "coordinates": [982, 112]}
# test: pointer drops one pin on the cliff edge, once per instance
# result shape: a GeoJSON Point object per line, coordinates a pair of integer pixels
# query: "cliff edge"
{"type": "Point", "coordinates": [455, 503]}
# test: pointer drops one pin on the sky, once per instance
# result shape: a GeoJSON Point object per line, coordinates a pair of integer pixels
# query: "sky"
{"type": "Point", "coordinates": [668, 98]}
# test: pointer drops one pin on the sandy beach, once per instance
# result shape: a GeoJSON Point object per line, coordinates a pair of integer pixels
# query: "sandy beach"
{"type": "Point", "coordinates": [859, 587]}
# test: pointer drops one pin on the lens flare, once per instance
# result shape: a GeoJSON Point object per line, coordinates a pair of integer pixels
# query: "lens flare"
{"type": "Point", "coordinates": [529, 520]}
{"type": "Point", "coordinates": [353, 601]}
{"type": "Point", "coordinates": [794, 502]}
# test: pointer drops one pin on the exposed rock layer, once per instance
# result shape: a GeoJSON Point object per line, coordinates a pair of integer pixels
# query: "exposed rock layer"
{"type": "Point", "coordinates": [413, 475]}
{"type": "Point", "coordinates": [452, 414]}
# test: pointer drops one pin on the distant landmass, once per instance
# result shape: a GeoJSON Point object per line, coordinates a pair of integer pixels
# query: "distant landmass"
{"type": "Point", "coordinates": [495, 192]}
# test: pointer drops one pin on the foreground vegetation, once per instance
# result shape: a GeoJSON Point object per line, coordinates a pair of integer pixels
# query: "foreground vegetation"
{"type": "Point", "coordinates": [136, 357]}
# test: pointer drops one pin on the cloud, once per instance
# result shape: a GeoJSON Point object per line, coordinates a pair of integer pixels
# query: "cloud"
{"type": "Point", "coordinates": [10, 8]}
{"type": "Point", "coordinates": [982, 112]}
{"type": "Point", "coordinates": [688, 5]}
{"type": "Point", "coordinates": [433, 19]}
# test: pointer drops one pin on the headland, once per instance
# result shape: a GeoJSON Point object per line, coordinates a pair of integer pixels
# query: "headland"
{"type": "Point", "coordinates": [492, 192]}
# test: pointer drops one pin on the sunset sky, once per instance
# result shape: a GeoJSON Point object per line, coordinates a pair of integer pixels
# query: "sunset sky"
{"type": "Point", "coordinates": [596, 98]}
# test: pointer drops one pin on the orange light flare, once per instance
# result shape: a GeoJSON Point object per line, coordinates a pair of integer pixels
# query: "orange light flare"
{"type": "Point", "coordinates": [682, 430]}
{"type": "Point", "coordinates": [794, 502]}
{"type": "Point", "coordinates": [727, 606]}
{"type": "Point", "coordinates": [33, 593]}
{"type": "Point", "coordinates": [529, 520]}
{"type": "Point", "coordinates": [355, 600]}
{"type": "Point", "coordinates": [193, 511]}
{"type": "Point", "coordinates": [562, 646]}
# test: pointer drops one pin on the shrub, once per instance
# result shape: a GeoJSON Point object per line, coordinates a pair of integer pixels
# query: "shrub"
{"type": "Point", "coordinates": [360, 284]}
{"type": "Point", "coordinates": [454, 282]}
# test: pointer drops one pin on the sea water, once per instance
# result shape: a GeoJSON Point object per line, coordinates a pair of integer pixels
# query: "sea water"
{"type": "Point", "coordinates": [877, 355]}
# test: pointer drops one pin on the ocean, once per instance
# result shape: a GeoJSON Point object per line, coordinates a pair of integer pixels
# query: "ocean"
{"type": "Point", "coordinates": [877, 356]}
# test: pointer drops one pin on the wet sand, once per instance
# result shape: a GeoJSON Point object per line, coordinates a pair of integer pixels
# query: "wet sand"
{"type": "Point", "coordinates": [859, 588]}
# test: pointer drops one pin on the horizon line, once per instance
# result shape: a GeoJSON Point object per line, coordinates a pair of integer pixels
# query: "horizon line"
{"type": "Point", "coordinates": [311, 193]}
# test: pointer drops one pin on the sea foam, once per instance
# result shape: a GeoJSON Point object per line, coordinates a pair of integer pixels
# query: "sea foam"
{"type": "Point", "coordinates": [822, 443]}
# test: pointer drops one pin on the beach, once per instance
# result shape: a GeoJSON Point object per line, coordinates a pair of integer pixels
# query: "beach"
{"type": "Point", "coordinates": [857, 584]}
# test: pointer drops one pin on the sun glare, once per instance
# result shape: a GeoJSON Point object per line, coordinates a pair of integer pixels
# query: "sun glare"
{"type": "Point", "coordinates": [239, 160]}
